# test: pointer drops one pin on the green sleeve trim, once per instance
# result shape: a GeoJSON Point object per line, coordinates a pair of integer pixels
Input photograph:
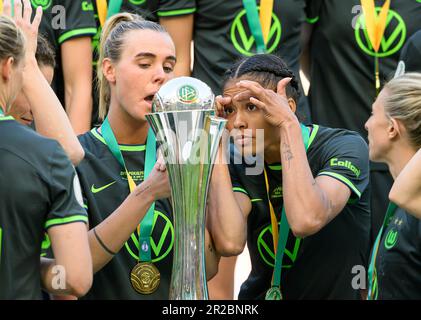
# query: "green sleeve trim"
{"type": "Point", "coordinates": [175, 12]}
{"type": "Point", "coordinates": [256, 200]}
{"type": "Point", "coordinates": [343, 179]}
{"type": "Point", "coordinates": [85, 206]}
{"type": "Point", "coordinates": [312, 20]}
{"type": "Point", "coordinates": [237, 189]}
{"type": "Point", "coordinates": [122, 148]}
{"type": "Point", "coordinates": [313, 134]}
{"type": "Point", "coordinates": [76, 33]}
{"type": "Point", "coordinates": [59, 221]}
{"type": "Point", "coordinates": [7, 118]}
{"type": "Point", "coordinates": [277, 167]}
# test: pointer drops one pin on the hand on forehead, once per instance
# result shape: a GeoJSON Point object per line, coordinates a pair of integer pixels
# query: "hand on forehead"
{"type": "Point", "coordinates": [237, 93]}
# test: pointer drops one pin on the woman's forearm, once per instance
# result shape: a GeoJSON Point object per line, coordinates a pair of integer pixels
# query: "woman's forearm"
{"type": "Point", "coordinates": [114, 231]}
{"type": "Point", "coordinates": [226, 216]}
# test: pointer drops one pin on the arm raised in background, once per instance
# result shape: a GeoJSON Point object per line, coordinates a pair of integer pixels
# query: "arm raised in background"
{"type": "Point", "coordinates": [305, 58]}
{"type": "Point", "coordinates": [50, 117]}
{"type": "Point", "coordinates": [76, 56]}
{"type": "Point", "coordinates": [180, 29]}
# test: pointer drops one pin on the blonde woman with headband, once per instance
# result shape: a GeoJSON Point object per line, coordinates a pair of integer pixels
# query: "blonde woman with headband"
{"type": "Point", "coordinates": [394, 135]}
{"type": "Point", "coordinates": [35, 169]}
{"type": "Point", "coordinates": [70, 35]}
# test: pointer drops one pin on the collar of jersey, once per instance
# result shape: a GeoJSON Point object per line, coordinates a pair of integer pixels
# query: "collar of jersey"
{"type": "Point", "coordinates": [123, 147]}
{"type": "Point", "coordinates": [278, 166]}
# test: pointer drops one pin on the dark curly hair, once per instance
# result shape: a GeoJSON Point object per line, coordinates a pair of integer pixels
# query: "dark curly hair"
{"type": "Point", "coordinates": [266, 69]}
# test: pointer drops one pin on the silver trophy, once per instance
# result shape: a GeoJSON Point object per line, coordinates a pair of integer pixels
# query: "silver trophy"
{"type": "Point", "coordinates": [188, 133]}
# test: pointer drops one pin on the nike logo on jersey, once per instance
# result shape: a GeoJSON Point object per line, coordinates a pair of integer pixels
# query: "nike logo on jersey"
{"type": "Point", "coordinates": [96, 190]}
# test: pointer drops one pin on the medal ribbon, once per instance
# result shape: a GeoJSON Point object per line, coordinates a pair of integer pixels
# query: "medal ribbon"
{"type": "Point", "coordinates": [259, 25]}
{"type": "Point", "coordinates": [372, 273]}
{"type": "Point", "coordinates": [376, 26]}
{"type": "Point", "coordinates": [145, 227]}
{"type": "Point", "coordinates": [266, 9]}
{"type": "Point", "coordinates": [279, 244]}
{"type": "Point", "coordinates": [105, 12]}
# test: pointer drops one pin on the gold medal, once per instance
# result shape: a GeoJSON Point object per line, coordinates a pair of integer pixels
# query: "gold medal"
{"type": "Point", "coordinates": [145, 278]}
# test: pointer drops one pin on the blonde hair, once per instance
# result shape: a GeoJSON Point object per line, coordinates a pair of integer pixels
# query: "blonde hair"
{"type": "Point", "coordinates": [403, 102]}
{"type": "Point", "coordinates": [111, 45]}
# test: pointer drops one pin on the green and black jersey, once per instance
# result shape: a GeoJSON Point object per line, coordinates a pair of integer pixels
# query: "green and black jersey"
{"type": "Point", "coordinates": [39, 190]}
{"type": "Point", "coordinates": [150, 10]}
{"type": "Point", "coordinates": [63, 20]}
{"type": "Point", "coordinates": [319, 266]}
{"type": "Point", "coordinates": [105, 187]}
{"type": "Point", "coordinates": [411, 53]}
{"type": "Point", "coordinates": [342, 59]}
{"type": "Point", "coordinates": [398, 262]}
{"type": "Point", "coordinates": [222, 36]}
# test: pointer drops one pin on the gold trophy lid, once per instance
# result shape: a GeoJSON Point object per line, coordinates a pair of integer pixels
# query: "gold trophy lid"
{"type": "Point", "coordinates": [183, 94]}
